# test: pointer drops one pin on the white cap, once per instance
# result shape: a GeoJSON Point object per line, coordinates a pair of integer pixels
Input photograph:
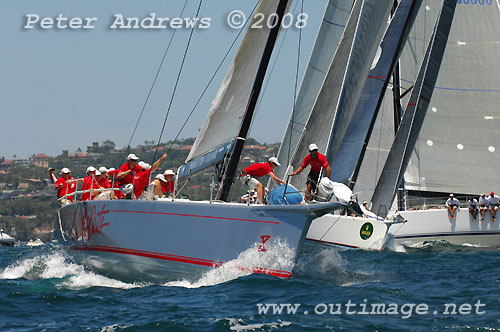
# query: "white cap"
{"type": "Point", "coordinates": [313, 147]}
{"type": "Point", "coordinates": [132, 157]}
{"type": "Point", "coordinates": [274, 160]}
{"type": "Point", "coordinates": [168, 172]}
{"type": "Point", "coordinates": [111, 169]}
{"type": "Point", "coordinates": [365, 202]}
{"type": "Point", "coordinates": [91, 169]}
{"type": "Point", "coordinates": [97, 173]}
{"type": "Point", "coordinates": [146, 166]}
{"type": "Point", "coordinates": [65, 170]}
{"type": "Point", "coordinates": [141, 164]}
{"type": "Point", "coordinates": [161, 177]}
{"type": "Point", "coordinates": [103, 170]}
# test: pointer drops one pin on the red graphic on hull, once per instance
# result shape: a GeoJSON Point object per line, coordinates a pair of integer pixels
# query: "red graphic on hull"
{"type": "Point", "coordinates": [92, 222]}
{"type": "Point", "coordinates": [264, 238]}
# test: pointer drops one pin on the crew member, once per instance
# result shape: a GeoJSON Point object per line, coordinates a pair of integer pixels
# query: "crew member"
{"type": "Point", "coordinates": [317, 161]}
{"type": "Point", "coordinates": [473, 207]}
{"type": "Point", "coordinates": [484, 203]}
{"type": "Point", "coordinates": [89, 183]}
{"type": "Point", "coordinates": [154, 188]}
{"type": "Point", "coordinates": [141, 179]}
{"type": "Point", "coordinates": [494, 202]}
{"type": "Point", "coordinates": [168, 186]}
{"type": "Point", "coordinates": [258, 170]}
{"type": "Point", "coordinates": [453, 205]}
{"type": "Point", "coordinates": [65, 185]}
{"type": "Point", "coordinates": [128, 170]}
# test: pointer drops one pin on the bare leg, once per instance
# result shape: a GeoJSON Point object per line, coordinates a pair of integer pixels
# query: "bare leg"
{"type": "Point", "coordinates": [308, 193]}
{"type": "Point", "coordinates": [493, 212]}
{"type": "Point", "coordinates": [260, 193]}
{"type": "Point", "coordinates": [450, 210]}
{"type": "Point", "coordinates": [482, 210]}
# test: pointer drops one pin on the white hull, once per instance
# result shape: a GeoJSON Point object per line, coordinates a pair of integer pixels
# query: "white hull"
{"type": "Point", "coordinates": [6, 240]}
{"type": "Point", "coordinates": [348, 232]}
{"type": "Point", "coordinates": [436, 224]}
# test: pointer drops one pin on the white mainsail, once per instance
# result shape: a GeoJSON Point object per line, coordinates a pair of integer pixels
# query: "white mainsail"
{"type": "Point", "coordinates": [458, 150]}
{"type": "Point", "coordinates": [414, 116]}
{"type": "Point", "coordinates": [227, 109]}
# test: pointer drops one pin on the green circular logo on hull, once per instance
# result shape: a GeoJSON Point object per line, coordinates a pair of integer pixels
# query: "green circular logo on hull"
{"type": "Point", "coordinates": [366, 231]}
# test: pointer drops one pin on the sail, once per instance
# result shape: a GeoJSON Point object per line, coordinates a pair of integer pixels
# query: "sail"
{"type": "Point", "coordinates": [369, 103]}
{"type": "Point", "coordinates": [226, 113]}
{"type": "Point", "coordinates": [414, 116]}
{"type": "Point", "coordinates": [343, 84]}
{"type": "Point", "coordinates": [457, 150]}
{"type": "Point", "coordinates": [327, 40]}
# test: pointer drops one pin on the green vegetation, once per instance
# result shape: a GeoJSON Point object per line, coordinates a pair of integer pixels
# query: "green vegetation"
{"type": "Point", "coordinates": [33, 210]}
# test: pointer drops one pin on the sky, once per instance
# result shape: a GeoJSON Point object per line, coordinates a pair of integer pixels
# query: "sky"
{"type": "Point", "coordinates": [62, 89]}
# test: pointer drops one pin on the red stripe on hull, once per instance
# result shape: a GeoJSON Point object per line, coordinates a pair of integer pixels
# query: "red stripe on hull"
{"type": "Point", "coordinates": [175, 258]}
{"type": "Point", "coordinates": [195, 216]}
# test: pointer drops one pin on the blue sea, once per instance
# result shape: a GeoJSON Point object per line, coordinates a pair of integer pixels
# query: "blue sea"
{"type": "Point", "coordinates": [428, 287]}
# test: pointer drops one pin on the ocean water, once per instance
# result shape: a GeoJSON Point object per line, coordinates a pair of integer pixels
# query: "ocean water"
{"type": "Point", "coordinates": [429, 287]}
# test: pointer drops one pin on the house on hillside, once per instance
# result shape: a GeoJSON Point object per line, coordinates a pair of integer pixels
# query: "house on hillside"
{"type": "Point", "coordinates": [40, 160]}
{"type": "Point", "coordinates": [5, 163]}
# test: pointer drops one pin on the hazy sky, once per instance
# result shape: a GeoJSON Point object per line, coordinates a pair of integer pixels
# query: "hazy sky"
{"type": "Point", "coordinates": [66, 88]}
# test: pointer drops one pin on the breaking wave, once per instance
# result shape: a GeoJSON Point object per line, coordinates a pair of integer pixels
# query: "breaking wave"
{"type": "Point", "coordinates": [62, 271]}
{"type": "Point", "coordinates": [278, 256]}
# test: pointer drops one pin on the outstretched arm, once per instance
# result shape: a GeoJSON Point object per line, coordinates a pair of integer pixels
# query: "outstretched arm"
{"type": "Point", "coordinates": [158, 162]}
{"type": "Point", "coordinates": [275, 178]}
{"type": "Point", "coordinates": [300, 169]}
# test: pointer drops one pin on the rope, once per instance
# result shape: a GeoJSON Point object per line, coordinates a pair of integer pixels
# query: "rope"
{"type": "Point", "coordinates": [176, 82]}
{"type": "Point", "coordinates": [156, 76]}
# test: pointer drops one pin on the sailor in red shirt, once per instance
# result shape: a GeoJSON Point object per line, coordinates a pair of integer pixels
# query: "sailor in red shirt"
{"type": "Point", "coordinates": [141, 179]}
{"type": "Point", "coordinates": [128, 170]}
{"type": "Point", "coordinates": [65, 185]}
{"type": "Point", "coordinates": [168, 185]}
{"type": "Point", "coordinates": [89, 182]}
{"type": "Point", "coordinates": [114, 183]}
{"type": "Point", "coordinates": [258, 170]}
{"type": "Point", "coordinates": [317, 161]}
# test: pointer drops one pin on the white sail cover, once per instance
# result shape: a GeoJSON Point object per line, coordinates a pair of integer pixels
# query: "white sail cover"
{"type": "Point", "coordinates": [327, 40]}
{"type": "Point", "coordinates": [226, 113]}
{"type": "Point", "coordinates": [458, 150]}
{"type": "Point", "coordinates": [344, 82]}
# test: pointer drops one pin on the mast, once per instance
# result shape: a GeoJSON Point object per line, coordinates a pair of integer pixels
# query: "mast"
{"type": "Point", "coordinates": [234, 158]}
{"type": "Point", "coordinates": [396, 98]}
{"type": "Point", "coordinates": [414, 116]}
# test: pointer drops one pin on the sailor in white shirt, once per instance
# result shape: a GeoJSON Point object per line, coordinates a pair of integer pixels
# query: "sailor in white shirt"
{"type": "Point", "coordinates": [483, 205]}
{"type": "Point", "coordinates": [494, 202]}
{"type": "Point", "coordinates": [453, 205]}
{"type": "Point", "coordinates": [473, 207]}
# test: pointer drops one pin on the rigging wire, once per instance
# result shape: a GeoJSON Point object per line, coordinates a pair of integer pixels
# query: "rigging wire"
{"type": "Point", "coordinates": [156, 77]}
{"type": "Point", "coordinates": [212, 78]}
{"type": "Point", "coordinates": [177, 81]}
